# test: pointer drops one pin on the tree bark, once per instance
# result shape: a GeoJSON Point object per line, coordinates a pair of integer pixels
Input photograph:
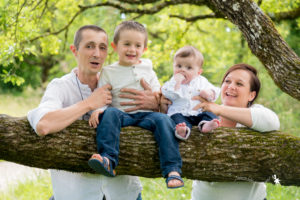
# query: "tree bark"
{"type": "Point", "coordinates": [224, 155]}
{"type": "Point", "coordinates": [265, 42]}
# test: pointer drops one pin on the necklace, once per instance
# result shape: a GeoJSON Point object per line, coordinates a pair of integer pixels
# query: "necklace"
{"type": "Point", "coordinates": [87, 115]}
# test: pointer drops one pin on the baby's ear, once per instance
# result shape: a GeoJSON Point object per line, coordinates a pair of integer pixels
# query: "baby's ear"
{"type": "Point", "coordinates": [145, 49]}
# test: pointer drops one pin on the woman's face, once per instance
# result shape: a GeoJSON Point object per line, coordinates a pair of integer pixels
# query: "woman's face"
{"type": "Point", "coordinates": [235, 90]}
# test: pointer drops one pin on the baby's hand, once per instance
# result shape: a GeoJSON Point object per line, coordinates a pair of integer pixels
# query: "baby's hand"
{"type": "Point", "coordinates": [94, 119]}
{"type": "Point", "coordinates": [179, 78]}
{"type": "Point", "coordinates": [209, 95]}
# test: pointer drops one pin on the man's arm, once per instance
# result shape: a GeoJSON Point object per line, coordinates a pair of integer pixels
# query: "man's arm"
{"type": "Point", "coordinates": [57, 120]}
{"type": "Point", "coordinates": [142, 99]}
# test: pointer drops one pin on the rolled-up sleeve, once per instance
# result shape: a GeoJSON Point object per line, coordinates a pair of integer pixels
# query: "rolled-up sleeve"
{"type": "Point", "coordinates": [264, 119]}
{"type": "Point", "coordinates": [52, 100]}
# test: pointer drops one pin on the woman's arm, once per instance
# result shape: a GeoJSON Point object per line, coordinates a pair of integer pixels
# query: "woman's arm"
{"type": "Point", "coordinates": [236, 114]}
{"type": "Point", "coordinates": [256, 117]}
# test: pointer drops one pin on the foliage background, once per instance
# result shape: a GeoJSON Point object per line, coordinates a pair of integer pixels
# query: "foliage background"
{"type": "Point", "coordinates": [28, 63]}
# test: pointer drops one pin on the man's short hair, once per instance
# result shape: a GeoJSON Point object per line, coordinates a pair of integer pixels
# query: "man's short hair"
{"type": "Point", "coordinates": [130, 25]}
{"type": "Point", "coordinates": [188, 51]}
{"type": "Point", "coordinates": [78, 34]}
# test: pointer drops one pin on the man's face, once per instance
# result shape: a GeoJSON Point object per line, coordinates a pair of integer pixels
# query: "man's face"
{"type": "Point", "coordinates": [92, 51]}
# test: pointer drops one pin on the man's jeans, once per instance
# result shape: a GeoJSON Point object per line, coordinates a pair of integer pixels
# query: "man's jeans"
{"type": "Point", "coordinates": [108, 135]}
{"type": "Point", "coordinates": [193, 120]}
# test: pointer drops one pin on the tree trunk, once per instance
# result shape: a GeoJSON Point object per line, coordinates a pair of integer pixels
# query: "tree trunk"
{"type": "Point", "coordinates": [224, 155]}
{"type": "Point", "coordinates": [265, 42]}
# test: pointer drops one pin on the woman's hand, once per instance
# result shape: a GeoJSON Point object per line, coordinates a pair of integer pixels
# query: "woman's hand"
{"type": "Point", "coordinates": [141, 99]}
{"type": "Point", "coordinates": [207, 106]}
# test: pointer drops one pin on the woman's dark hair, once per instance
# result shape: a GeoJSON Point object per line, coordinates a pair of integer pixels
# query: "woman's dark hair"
{"type": "Point", "coordinates": [254, 81]}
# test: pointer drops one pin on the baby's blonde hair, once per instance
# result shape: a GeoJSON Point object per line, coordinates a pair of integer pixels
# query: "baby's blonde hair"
{"type": "Point", "coordinates": [188, 51]}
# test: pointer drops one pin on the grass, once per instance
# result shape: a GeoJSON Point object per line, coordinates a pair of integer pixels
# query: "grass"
{"type": "Point", "coordinates": [157, 189]}
{"type": "Point", "coordinates": [18, 104]}
{"type": "Point", "coordinates": [35, 189]}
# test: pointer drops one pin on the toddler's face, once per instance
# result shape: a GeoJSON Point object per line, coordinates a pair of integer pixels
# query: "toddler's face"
{"type": "Point", "coordinates": [187, 67]}
{"type": "Point", "coordinates": [130, 47]}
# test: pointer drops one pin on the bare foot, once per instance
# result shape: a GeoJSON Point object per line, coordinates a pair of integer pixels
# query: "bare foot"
{"type": "Point", "coordinates": [181, 129]}
{"type": "Point", "coordinates": [210, 125]}
{"type": "Point", "coordinates": [174, 182]}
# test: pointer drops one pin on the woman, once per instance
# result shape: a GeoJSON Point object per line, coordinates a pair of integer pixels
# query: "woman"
{"type": "Point", "coordinates": [240, 87]}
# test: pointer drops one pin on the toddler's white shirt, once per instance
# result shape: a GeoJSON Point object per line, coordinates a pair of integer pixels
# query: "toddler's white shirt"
{"type": "Point", "coordinates": [119, 77]}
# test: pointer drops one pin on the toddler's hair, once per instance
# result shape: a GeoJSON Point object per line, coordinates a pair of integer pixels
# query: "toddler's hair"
{"type": "Point", "coordinates": [188, 51]}
{"type": "Point", "coordinates": [130, 25]}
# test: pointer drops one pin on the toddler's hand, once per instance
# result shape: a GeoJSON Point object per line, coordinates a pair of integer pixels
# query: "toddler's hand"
{"type": "Point", "coordinates": [209, 95]}
{"type": "Point", "coordinates": [179, 78]}
{"type": "Point", "coordinates": [94, 119]}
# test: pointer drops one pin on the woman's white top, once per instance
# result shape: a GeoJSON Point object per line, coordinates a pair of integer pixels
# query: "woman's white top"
{"type": "Point", "coordinates": [263, 119]}
{"type": "Point", "coordinates": [60, 93]}
{"type": "Point", "coordinates": [182, 98]}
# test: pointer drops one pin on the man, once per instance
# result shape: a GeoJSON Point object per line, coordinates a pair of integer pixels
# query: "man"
{"type": "Point", "coordinates": [73, 97]}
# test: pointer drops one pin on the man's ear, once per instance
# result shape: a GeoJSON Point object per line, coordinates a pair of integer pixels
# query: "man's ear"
{"type": "Point", "coordinates": [114, 46]}
{"type": "Point", "coordinates": [73, 49]}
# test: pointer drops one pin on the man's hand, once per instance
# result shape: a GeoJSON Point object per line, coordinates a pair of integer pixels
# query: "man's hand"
{"type": "Point", "coordinates": [100, 97]}
{"type": "Point", "coordinates": [141, 99]}
{"type": "Point", "coordinates": [164, 104]}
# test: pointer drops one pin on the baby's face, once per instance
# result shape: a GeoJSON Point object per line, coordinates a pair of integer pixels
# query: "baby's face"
{"type": "Point", "coordinates": [130, 47]}
{"type": "Point", "coordinates": [187, 67]}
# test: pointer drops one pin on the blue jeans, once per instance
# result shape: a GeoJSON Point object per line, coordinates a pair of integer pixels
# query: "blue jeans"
{"type": "Point", "coordinates": [108, 136]}
{"type": "Point", "coordinates": [193, 120]}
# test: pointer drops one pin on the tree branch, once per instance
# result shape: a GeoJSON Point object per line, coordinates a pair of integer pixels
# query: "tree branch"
{"type": "Point", "coordinates": [289, 15]}
{"type": "Point", "coordinates": [224, 155]}
{"type": "Point", "coordinates": [199, 17]}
